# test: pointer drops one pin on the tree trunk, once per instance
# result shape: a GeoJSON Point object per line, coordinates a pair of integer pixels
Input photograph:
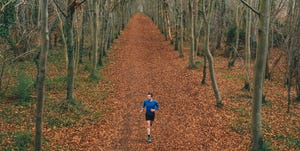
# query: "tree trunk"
{"type": "Point", "coordinates": [204, 70]}
{"type": "Point", "coordinates": [159, 17]}
{"type": "Point", "coordinates": [261, 57]}
{"type": "Point", "coordinates": [50, 39]}
{"type": "Point", "coordinates": [267, 72]}
{"type": "Point", "coordinates": [95, 32]}
{"type": "Point", "coordinates": [195, 12]}
{"type": "Point", "coordinates": [289, 79]}
{"type": "Point", "coordinates": [78, 24]}
{"type": "Point", "coordinates": [192, 49]}
{"type": "Point", "coordinates": [68, 26]}
{"type": "Point", "coordinates": [63, 36]}
{"type": "Point", "coordinates": [81, 46]}
{"type": "Point", "coordinates": [42, 75]}
{"type": "Point", "coordinates": [198, 30]}
{"type": "Point", "coordinates": [39, 15]}
{"type": "Point", "coordinates": [248, 48]}
{"type": "Point", "coordinates": [181, 30]}
{"type": "Point", "coordinates": [234, 51]}
{"type": "Point", "coordinates": [3, 66]}
{"type": "Point", "coordinates": [221, 20]}
{"type": "Point", "coordinates": [164, 22]}
{"type": "Point", "coordinates": [211, 69]}
{"type": "Point", "coordinates": [123, 17]}
{"type": "Point", "coordinates": [176, 45]}
{"type": "Point", "coordinates": [292, 45]}
{"type": "Point", "coordinates": [297, 80]}
{"type": "Point", "coordinates": [167, 22]}
{"type": "Point", "coordinates": [104, 42]}
{"type": "Point", "coordinates": [207, 18]}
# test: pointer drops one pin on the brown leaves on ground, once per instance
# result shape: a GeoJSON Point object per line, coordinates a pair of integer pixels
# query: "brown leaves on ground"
{"type": "Point", "coordinates": [141, 62]}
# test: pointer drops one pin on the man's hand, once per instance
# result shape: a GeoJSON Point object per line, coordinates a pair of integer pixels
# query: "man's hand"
{"type": "Point", "coordinates": [152, 110]}
{"type": "Point", "coordinates": [141, 110]}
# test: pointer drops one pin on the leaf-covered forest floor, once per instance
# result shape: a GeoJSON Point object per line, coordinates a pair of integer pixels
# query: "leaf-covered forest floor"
{"type": "Point", "coordinates": [107, 117]}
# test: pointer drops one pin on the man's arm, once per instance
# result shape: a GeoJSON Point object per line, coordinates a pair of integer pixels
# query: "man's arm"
{"type": "Point", "coordinates": [143, 106]}
{"type": "Point", "coordinates": [157, 106]}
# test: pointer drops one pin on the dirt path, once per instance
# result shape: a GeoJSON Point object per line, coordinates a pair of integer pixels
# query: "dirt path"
{"type": "Point", "coordinates": [143, 62]}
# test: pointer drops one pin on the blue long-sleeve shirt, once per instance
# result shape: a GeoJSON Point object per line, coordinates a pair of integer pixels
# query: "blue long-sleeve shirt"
{"type": "Point", "coordinates": [150, 105]}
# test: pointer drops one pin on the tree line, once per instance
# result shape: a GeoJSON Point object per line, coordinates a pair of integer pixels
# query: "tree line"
{"type": "Point", "coordinates": [29, 29]}
{"type": "Point", "coordinates": [249, 30]}
{"type": "Point", "coordinates": [240, 29]}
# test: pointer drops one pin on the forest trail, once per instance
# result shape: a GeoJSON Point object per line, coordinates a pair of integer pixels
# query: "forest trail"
{"type": "Point", "coordinates": [141, 62]}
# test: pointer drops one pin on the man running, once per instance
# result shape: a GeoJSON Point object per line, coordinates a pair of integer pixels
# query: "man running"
{"type": "Point", "coordinates": [151, 106]}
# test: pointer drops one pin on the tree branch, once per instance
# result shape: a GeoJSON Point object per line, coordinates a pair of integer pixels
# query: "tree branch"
{"type": "Point", "coordinates": [3, 7]}
{"type": "Point", "coordinates": [280, 7]}
{"type": "Point", "coordinates": [20, 3]}
{"type": "Point", "coordinates": [253, 9]}
{"type": "Point", "coordinates": [203, 12]}
{"type": "Point", "coordinates": [81, 2]}
{"type": "Point", "coordinates": [59, 8]}
{"type": "Point", "coordinates": [20, 56]}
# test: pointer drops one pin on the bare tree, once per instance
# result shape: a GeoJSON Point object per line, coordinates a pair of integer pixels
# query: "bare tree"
{"type": "Point", "coordinates": [248, 48]}
{"type": "Point", "coordinates": [234, 48]}
{"type": "Point", "coordinates": [69, 32]}
{"type": "Point", "coordinates": [72, 5]}
{"type": "Point", "coordinates": [221, 20]}
{"type": "Point", "coordinates": [207, 21]}
{"type": "Point", "coordinates": [291, 45]}
{"type": "Point", "coordinates": [191, 64]}
{"type": "Point", "coordinates": [95, 28]}
{"type": "Point", "coordinates": [181, 30]}
{"type": "Point", "coordinates": [167, 21]}
{"type": "Point", "coordinates": [42, 75]}
{"type": "Point", "coordinates": [263, 47]}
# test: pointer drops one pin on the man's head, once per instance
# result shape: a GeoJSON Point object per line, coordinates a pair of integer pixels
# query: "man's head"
{"type": "Point", "coordinates": [149, 96]}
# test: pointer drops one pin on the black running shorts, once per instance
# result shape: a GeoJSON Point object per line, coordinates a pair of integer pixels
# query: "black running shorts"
{"type": "Point", "coordinates": [150, 117]}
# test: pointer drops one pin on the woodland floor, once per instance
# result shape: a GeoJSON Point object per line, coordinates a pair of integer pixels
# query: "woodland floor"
{"type": "Point", "coordinates": [141, 61]}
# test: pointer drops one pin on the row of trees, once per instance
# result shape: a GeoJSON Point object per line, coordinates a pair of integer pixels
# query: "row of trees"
{"type": "Point", "coordinates": [171, 18]}
{"type": "Point", "coordinates": [205, 24]}
{"type": "Point", "coordinates": [70, 24]}
{"type": "Point", "coordinates": [246, 27]}
{"type": "Point", "coordinates": [29, 28]}
{"type": "Point", "coordinates": [236, 26]}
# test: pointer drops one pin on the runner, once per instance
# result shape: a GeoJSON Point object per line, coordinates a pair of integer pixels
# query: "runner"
{"type": "Point", "coordinates": [151, 106]}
